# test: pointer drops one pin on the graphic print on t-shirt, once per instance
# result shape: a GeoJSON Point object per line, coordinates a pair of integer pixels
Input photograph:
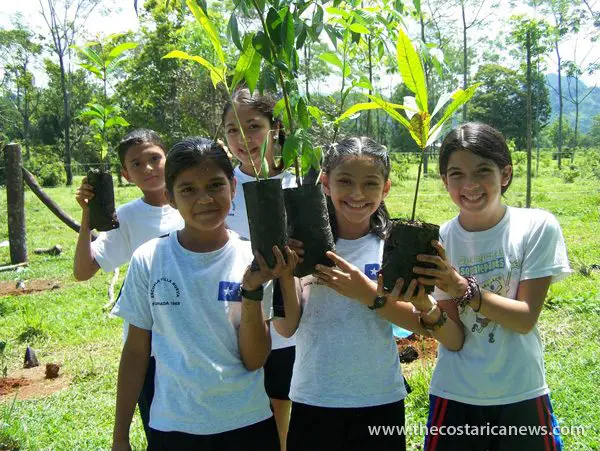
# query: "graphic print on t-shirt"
{"type": "Point", "coordinates": [230, 291]}
{"type": "Point", "coordinates": [371, 270]}
{"type": "Point", "coordinates": [164, 292]}
{"type": "Point", "coordinates": [498, 284]}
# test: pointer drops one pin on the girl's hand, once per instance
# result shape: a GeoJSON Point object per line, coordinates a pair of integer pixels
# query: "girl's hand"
{"type": "Point", "coordinates": [298, 247]}
{"type": "Point", "coordinates": [346, 279]}
{"type": "Point", "coordinates": [84, 193]}
{"type": "Point", "coordinates": [444, 276]}
{"type": "Point", "coordinates": [414, 294]}
{"type": "Point", "coordinates": [254, 279]}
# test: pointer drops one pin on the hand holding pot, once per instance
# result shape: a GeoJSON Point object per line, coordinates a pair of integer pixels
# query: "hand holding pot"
{"type": "Point", "coordinates": [254, 279]}
{"type": "Point", "coordinates": [444, 276]}
{"type": "Point", "coordinates": [84, 194]}
{"type": "Point", "coordinates": [346, 279]}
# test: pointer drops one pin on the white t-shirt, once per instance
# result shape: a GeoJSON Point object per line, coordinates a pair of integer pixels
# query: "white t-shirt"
{"type": "Point", "coordinates": [191, 303]}
{"type": "Point", "coordinates": [346, 355]}
{"type": "Point", "coordinates": [238, 222]}
{"type": "Point", "coordinates": [138, 223]}
{"type": "Point", "coordinates": [497, 366]}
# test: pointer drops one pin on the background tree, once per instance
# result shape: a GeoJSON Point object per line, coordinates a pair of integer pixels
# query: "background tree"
{"type": "Point", "coordinates": [18, 51]}
{"type": "Point", "coordinates": [64, 18]}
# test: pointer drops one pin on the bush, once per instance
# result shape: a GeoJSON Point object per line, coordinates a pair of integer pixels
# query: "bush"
{"type": "Point", "coordinates": [46, 167]}
{"type": "Point", "coordinates": [569, 175]}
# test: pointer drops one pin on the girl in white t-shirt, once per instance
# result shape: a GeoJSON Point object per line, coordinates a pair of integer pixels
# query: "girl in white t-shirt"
{"type": "Point", "coordinates": [255, 113]}
{"type": "Point", "coordinates": [495, 267]}
{"type": "Point", "coordinates": [347, 376]}
{"type": "Point", "coordinates": [193, 290]}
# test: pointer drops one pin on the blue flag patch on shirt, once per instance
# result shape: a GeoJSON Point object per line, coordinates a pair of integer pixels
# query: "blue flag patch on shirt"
{"type": "Point", "coordinates": [230, 291]}
{"type": "Point", "coordinates": [371, 270]}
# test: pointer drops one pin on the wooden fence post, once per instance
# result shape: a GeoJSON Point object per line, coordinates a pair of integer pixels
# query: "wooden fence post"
{"type": "Point", "coordinates": [15, 199]}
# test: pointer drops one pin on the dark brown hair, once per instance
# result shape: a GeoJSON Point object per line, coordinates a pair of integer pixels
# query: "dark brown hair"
{"type": "Point", "coordinates": [135, 138]}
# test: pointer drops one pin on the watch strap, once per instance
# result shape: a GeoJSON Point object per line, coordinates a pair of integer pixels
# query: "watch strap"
{"type": "Point", "coordinates": [253, 295]}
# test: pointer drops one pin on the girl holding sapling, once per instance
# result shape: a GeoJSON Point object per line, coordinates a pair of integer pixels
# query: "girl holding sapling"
{"type": "Point", "coordinates": [194, 291]}
{"type": "Point", "coordinates": [496, 265]}
{"type": "Point", "coordinates": [347, 374]}
{"type": "Point", "coordinates": [260, 127]}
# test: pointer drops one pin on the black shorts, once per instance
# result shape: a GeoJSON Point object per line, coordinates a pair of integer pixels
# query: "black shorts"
{"type": "Point", "coordinates": [527, 425]}
{"type": "Point", "coordinates": [346, 429]}
{"type": "Point", "coordinates": [278, 372]}
{"type": "Point", "coordinates": [260, 436]}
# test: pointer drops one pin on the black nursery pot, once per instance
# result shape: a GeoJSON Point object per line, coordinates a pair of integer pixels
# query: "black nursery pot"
{"type": "Point", "coordinates": [266, 217]}
{"type": "Point", "coordinates": [308, 221]}
{"type": "Point", "coordinates": [406, 240]}
{"type": "Point", "coordinates": [103, 216]}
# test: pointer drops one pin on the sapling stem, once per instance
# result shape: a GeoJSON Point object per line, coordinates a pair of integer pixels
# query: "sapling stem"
{"type": "Point", "coordinates": [414, 207]}
{"type": "Point", "coordinates": [237, 119]}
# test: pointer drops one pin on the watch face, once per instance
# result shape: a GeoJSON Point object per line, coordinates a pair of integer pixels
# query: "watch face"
{"type": "Point", "coordinates": [378, 302]}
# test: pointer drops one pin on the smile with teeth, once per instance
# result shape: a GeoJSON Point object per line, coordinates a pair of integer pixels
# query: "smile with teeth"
{"type": "Point", "coordinates": [357, 205]}
{"type": "Point", "coordinates": [472, 197]}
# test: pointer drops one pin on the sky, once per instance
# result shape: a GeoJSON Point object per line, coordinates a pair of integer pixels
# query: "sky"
{"type": "Point", "coordinates": [123, 18]}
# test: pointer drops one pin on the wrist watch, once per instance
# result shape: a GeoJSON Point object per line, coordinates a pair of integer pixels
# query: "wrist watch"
{"type": "Point", "coordinates": [378, 302]}
{"type": "Point", "coordinates": [252, 295]}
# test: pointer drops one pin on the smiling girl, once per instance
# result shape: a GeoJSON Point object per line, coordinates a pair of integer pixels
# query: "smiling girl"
{"type": "Point", "coordinates": [496, 264]}
{"type": "Point", "coordinates": [194, 292]}
{"type": "Point", "coordinates": [347, 375]}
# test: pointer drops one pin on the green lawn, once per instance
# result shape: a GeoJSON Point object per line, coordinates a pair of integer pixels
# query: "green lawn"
{"type": "Point", "coordinates": [68, 325]}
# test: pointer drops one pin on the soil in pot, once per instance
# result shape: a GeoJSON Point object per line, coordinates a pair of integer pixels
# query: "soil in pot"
{"type": "Point", "coordinates": [103, 216]}
{"type": "Point", "coordinates": [405, 241]}
{"type": "Point", "coordinates": [266, 217]}
{"type": "Point", "coordinates": [308, 221]}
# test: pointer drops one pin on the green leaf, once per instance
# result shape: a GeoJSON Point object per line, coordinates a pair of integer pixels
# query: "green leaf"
{"type": "Point", "coordinates": [263, 46]}
{"type": "Point", "coordinates": [234, 32]}
{"type": "Point", "coordinates": [390, 108]}
{"type": "Point", "coordinates": [411, 69]}
{"type": "Point", "coordinates": [274, 22]}
{"type": "Point", "coordinates": [290, 150]}
{"type": "Point", "coordinates": [244, 63]}
{"type": "Point", "coordinates": [356, 108]}
{"type": "Point", "coordinates": [337, 12]}
{"type": "Point", "coordinates": [459, 98]}
{"type": "Point", "coordinates": [331, 58]}
{"type": "Point", "coordinates": [253, 73]}
{"type": "Point", "coordinates": [210, 31]}
{"type": "Point", "coordinates": [116, 120]}
{"type": "Point", "coordinates": [93, 69]}
{"type": "Point", "coordinates": [443, 100]}
{"type": "Point", "coordinates": [288, 35]}
{"type": "Point", "coordinates": [417, 4]}
{"type": "Point", "coordinates": [358, 28]}
{"type": "Point", "coordinates": [301, 39]}
{"type": "Point", "coordinates": [119, 49]}
{"type": "Point", "coordinates": [279, 107]}
{"type": "Point", "coordinates": [303, 117]}
{"type": "Point", "coordinates": [316, 113]}
{"type": "Point", "coordinates": [217, 75]}
{"type": "Point", "coordinates": [419, 130]}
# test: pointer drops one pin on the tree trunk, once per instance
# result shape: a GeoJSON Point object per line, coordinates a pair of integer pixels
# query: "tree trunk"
{"type": "Point", "coordinates": [529, 120]}
{"type": "Point", "coordinates": [560, 107]}
{"type": "Point", "coordinates": [15, 203]}
{"type": "Point", "coordinates": [465, 114]}
{"type": "Point", "coordinates": [576, 143]}
{"type": "Point", "coordinates": [66, 122]}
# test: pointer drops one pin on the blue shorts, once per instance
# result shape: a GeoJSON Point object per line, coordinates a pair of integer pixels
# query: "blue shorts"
{"type": "Point", "coordinates": [527, 425]}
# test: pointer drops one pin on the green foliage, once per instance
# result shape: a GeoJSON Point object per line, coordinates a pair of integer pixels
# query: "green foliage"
{"type": "Point", "coordinates": [46, 166]}
{"type": "Point", "coordinates": [569, 175]}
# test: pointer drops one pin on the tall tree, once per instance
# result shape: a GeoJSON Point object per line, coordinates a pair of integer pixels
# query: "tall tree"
{"type": "Point", "coordinates": [64, 18]}
{"type": "Point", "coordinates": [18, 50]}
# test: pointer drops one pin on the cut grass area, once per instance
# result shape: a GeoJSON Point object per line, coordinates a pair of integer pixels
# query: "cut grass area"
{"type": "Point", "coordinates": [68, 326]}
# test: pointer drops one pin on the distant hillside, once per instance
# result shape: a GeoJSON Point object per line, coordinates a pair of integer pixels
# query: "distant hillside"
{"type": "Point", "coordinates": [587, 110]}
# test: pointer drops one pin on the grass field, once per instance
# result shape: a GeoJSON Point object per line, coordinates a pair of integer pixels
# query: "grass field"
{"type": "Point", "coordinates": [68, 325]}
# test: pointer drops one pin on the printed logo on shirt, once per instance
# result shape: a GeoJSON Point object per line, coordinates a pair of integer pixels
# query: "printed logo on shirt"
{"type": "Point", "coordinates": [371, 270]}
{"type": "Point", "coordinates": [230, 291]}
{"type": "Point", "coordinates": [164, 292]}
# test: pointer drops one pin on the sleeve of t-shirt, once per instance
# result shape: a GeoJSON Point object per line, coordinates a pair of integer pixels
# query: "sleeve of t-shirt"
{"type": "Point", "coordinates": [133, 304]}
{"type": "Point", "coordinates": [267, 302]}
{"type": "Point", "coordinates": [111, 249]}
{"type": "Point", "coordinates": [545, 252]}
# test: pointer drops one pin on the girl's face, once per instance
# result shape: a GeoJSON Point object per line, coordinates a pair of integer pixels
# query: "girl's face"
{"type": "Point", "coordinates": [257, 130]}
{"type": "Point", "coordinates": [356, 187]}
{"type": "Point", "coordinates": [203, 194]}
{"type": "Point", "coordinates": [475, 183]}
{"type": "Point", "coordinates": [145, 167]}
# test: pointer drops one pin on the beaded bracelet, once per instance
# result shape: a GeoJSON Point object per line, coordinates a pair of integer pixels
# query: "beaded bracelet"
{"type": "Point", "coordinates": [472, 289]}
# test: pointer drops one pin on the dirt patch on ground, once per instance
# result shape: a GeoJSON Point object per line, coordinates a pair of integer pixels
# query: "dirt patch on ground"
{"type": "Point", "coordinates": [31, 383]}
{"type": "Point", "coordinates": [425, 347]}
{"type": "Point", "coordinates": [12, 288]}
